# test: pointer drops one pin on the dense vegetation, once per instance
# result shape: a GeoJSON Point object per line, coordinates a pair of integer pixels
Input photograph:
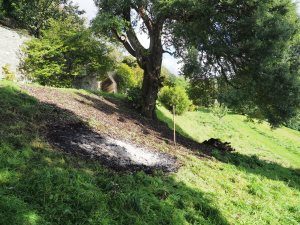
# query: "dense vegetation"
{"type": "Point", "coordinates": [252, 46]}
{"type": "Point", "coordinates": [66, 51]}
{"type": "Point", "coordinates": [34, 15]}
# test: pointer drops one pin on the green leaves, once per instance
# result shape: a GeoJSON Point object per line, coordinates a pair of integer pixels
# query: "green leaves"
{"type": "Point", "coordinates": [251, 47]}
{"type": "Point", "coordinates": [34, 15]}
{"type": "Point", "coordinates": [175, 97]}
{"type": "Point", "coordinates": [67, 50]}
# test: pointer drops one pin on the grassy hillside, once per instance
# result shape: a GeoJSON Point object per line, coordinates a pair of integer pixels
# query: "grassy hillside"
{"type": "Point", "coordinates": [277, 145]}
{"type": "Point", "coordinates": [41, 185]}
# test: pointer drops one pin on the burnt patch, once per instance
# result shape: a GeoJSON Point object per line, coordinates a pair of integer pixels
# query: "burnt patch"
{"type": "Point", "coordinates": [78, 139]}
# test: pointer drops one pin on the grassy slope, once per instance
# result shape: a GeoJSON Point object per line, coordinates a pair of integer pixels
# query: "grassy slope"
{"type": "Point", "coordinates": [42, 186]}
{"type": "Point", "coordinates": [253, 186]}
{"type": "Point", "coordinates": [280, 145]}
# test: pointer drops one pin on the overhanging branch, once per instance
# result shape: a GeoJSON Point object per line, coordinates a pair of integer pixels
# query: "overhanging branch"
{"type": "Point", "coordinates": [123, 40]}
{"type": "Point", "coordinates": [131, 35]}
{"type": "Point", "coordinates": [223, 73]}
{"type": "Point", "coordinates": [170, 53]}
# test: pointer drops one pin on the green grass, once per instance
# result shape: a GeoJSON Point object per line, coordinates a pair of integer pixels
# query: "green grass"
{"type": "Point", "coordinates": [280, 145]}
{"type": "Point", "coordinates": [41, 186]}
{"type": "Point", "coordinates": [259, 184]}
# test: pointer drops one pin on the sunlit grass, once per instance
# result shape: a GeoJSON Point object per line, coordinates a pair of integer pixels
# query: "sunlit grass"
{"type": "Point", "coordinates": [39, 185]}
{"type": "Point", "coordinates": [280, 145]}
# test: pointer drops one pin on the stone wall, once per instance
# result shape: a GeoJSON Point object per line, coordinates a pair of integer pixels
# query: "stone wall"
{"type": "Point", "coordinates": [10, 54]}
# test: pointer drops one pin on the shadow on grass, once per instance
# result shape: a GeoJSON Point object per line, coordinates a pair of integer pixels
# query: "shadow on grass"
{"type": "Point", "coordinates": [42, 186]}
{"type": "Point", "coordinates": [121, 109]}
{"type": "Point", "coordinates": [250, 164]}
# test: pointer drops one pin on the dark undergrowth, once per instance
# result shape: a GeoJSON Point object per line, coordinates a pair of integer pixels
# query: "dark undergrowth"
{"type": "Point", "coordinates": [41, 186]}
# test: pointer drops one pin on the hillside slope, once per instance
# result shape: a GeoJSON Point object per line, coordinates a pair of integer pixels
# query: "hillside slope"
{"type": "Point", "coordinates": [277, 145]}
{"type": "Point", "coordinates": [39, 184]}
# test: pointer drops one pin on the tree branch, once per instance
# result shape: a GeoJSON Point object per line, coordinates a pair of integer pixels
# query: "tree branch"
{"type": "Point", "coordinates": [123, 40]}
{"type": "Point", "coordinates": [131, 35]}
{"type": "Point", "coordinates": [170, 53]}
{"type": "Point", "coordinates": [146, 19]}
{"type": "Point", "coordinates": [223, 73]}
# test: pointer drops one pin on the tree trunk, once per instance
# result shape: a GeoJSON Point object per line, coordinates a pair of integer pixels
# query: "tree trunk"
{"type": "Point", "coordinates": [151, 86]}
{"type": "Point", "coordinates": [149, 94]}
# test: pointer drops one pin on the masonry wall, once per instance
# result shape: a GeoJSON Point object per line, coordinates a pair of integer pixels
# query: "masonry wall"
{"type": "Point", "coordinates": [10, 54]}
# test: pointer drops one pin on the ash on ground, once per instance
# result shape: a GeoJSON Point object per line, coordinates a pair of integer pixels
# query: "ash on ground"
{"type": "Point", "coordinates": [78, 139]}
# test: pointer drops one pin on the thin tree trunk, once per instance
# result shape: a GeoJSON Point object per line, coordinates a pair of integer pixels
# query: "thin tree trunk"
{"type": "Point", "coordinates": [174, 124]}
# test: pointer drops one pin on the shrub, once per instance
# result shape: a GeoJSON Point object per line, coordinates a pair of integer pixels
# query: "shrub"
{"type": "Point", "coordinates": [134, 96]}
{"type": "Point", "coordinates": [67, 50]}
{"type": "Point", "coordinates": [8, 74]}
{"type": "Point", "coordinates": [175, 96]}
{"type": "Point", "coordinates": [124, 78]}
{"type": "Point", "coordinates": [219, 110]}
{"type": "Point", "coordinates": [128, 77]}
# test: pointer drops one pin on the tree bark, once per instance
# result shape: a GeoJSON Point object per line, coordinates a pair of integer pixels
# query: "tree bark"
{"type": "Point", "coordinates": [151, 82]}
{"type": "Point", "coordinates": [150, 91]}
{"type": "Point", "coordinates": [150, 60]}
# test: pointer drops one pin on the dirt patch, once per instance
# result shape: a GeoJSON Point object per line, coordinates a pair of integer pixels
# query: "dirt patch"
{"type": "Point", "coordinates": [80, 140]}
{"type": "Point", "coordinates": [115, 119]}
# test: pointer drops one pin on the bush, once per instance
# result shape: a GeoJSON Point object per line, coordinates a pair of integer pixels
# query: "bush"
{"type": "Point", "coordinates": [67, 50]}
{"type": "Point", "coordinates": [219, 110]}
{"type": "Point", "coordinates": [175, 96]}
{"type": "Point", "coordinates": [8, 74]}
{"type": "Point", "coordinates": [134, 96]}
{"type": "Point", "coordinates": [124, 78]}
{"type": "Point", "coordinates": [128, 77]}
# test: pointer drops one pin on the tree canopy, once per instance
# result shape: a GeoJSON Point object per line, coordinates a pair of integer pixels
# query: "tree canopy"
{"type": "Point", "coordinates": [252, 45]}
{"type": "Point", "coordinates": [34, 15]}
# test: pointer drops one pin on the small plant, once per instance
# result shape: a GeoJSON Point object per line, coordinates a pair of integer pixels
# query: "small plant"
{"type": "Point", "coordinates": [220, 110]}
{"type": "Point", "coordinates": [8, 74]}
{"type": "Point", "coordinates": [134, 96]}
{"type": "Point", "coordinates": [175, 97]}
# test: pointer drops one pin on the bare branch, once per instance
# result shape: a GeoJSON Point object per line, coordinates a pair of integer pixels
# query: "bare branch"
{"type": "Point", "coordinates": [146, 19]}
{"type": "Point", "coordinates": [170, 53]}
{"type": "Point", "coordinates": [123, 40]}
{"type": "Point", "coordinates": [131, 35]}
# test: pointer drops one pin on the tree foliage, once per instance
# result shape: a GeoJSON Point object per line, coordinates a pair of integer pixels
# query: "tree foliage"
{"type": "Point", "coordinates": [175, 97]}
{"type": "Point", "coordinates": [128, 77]}
{"type": "Point", "coordinates": [253, 45]}
{"type": "Point", "coordinates": [34, 15]}
{"type": "Point", "coordinates": [66, 50]}
{"type": "Point", "coordinates": [203, 92]}
{"type": "Point", "coordinates": [294, 123]}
